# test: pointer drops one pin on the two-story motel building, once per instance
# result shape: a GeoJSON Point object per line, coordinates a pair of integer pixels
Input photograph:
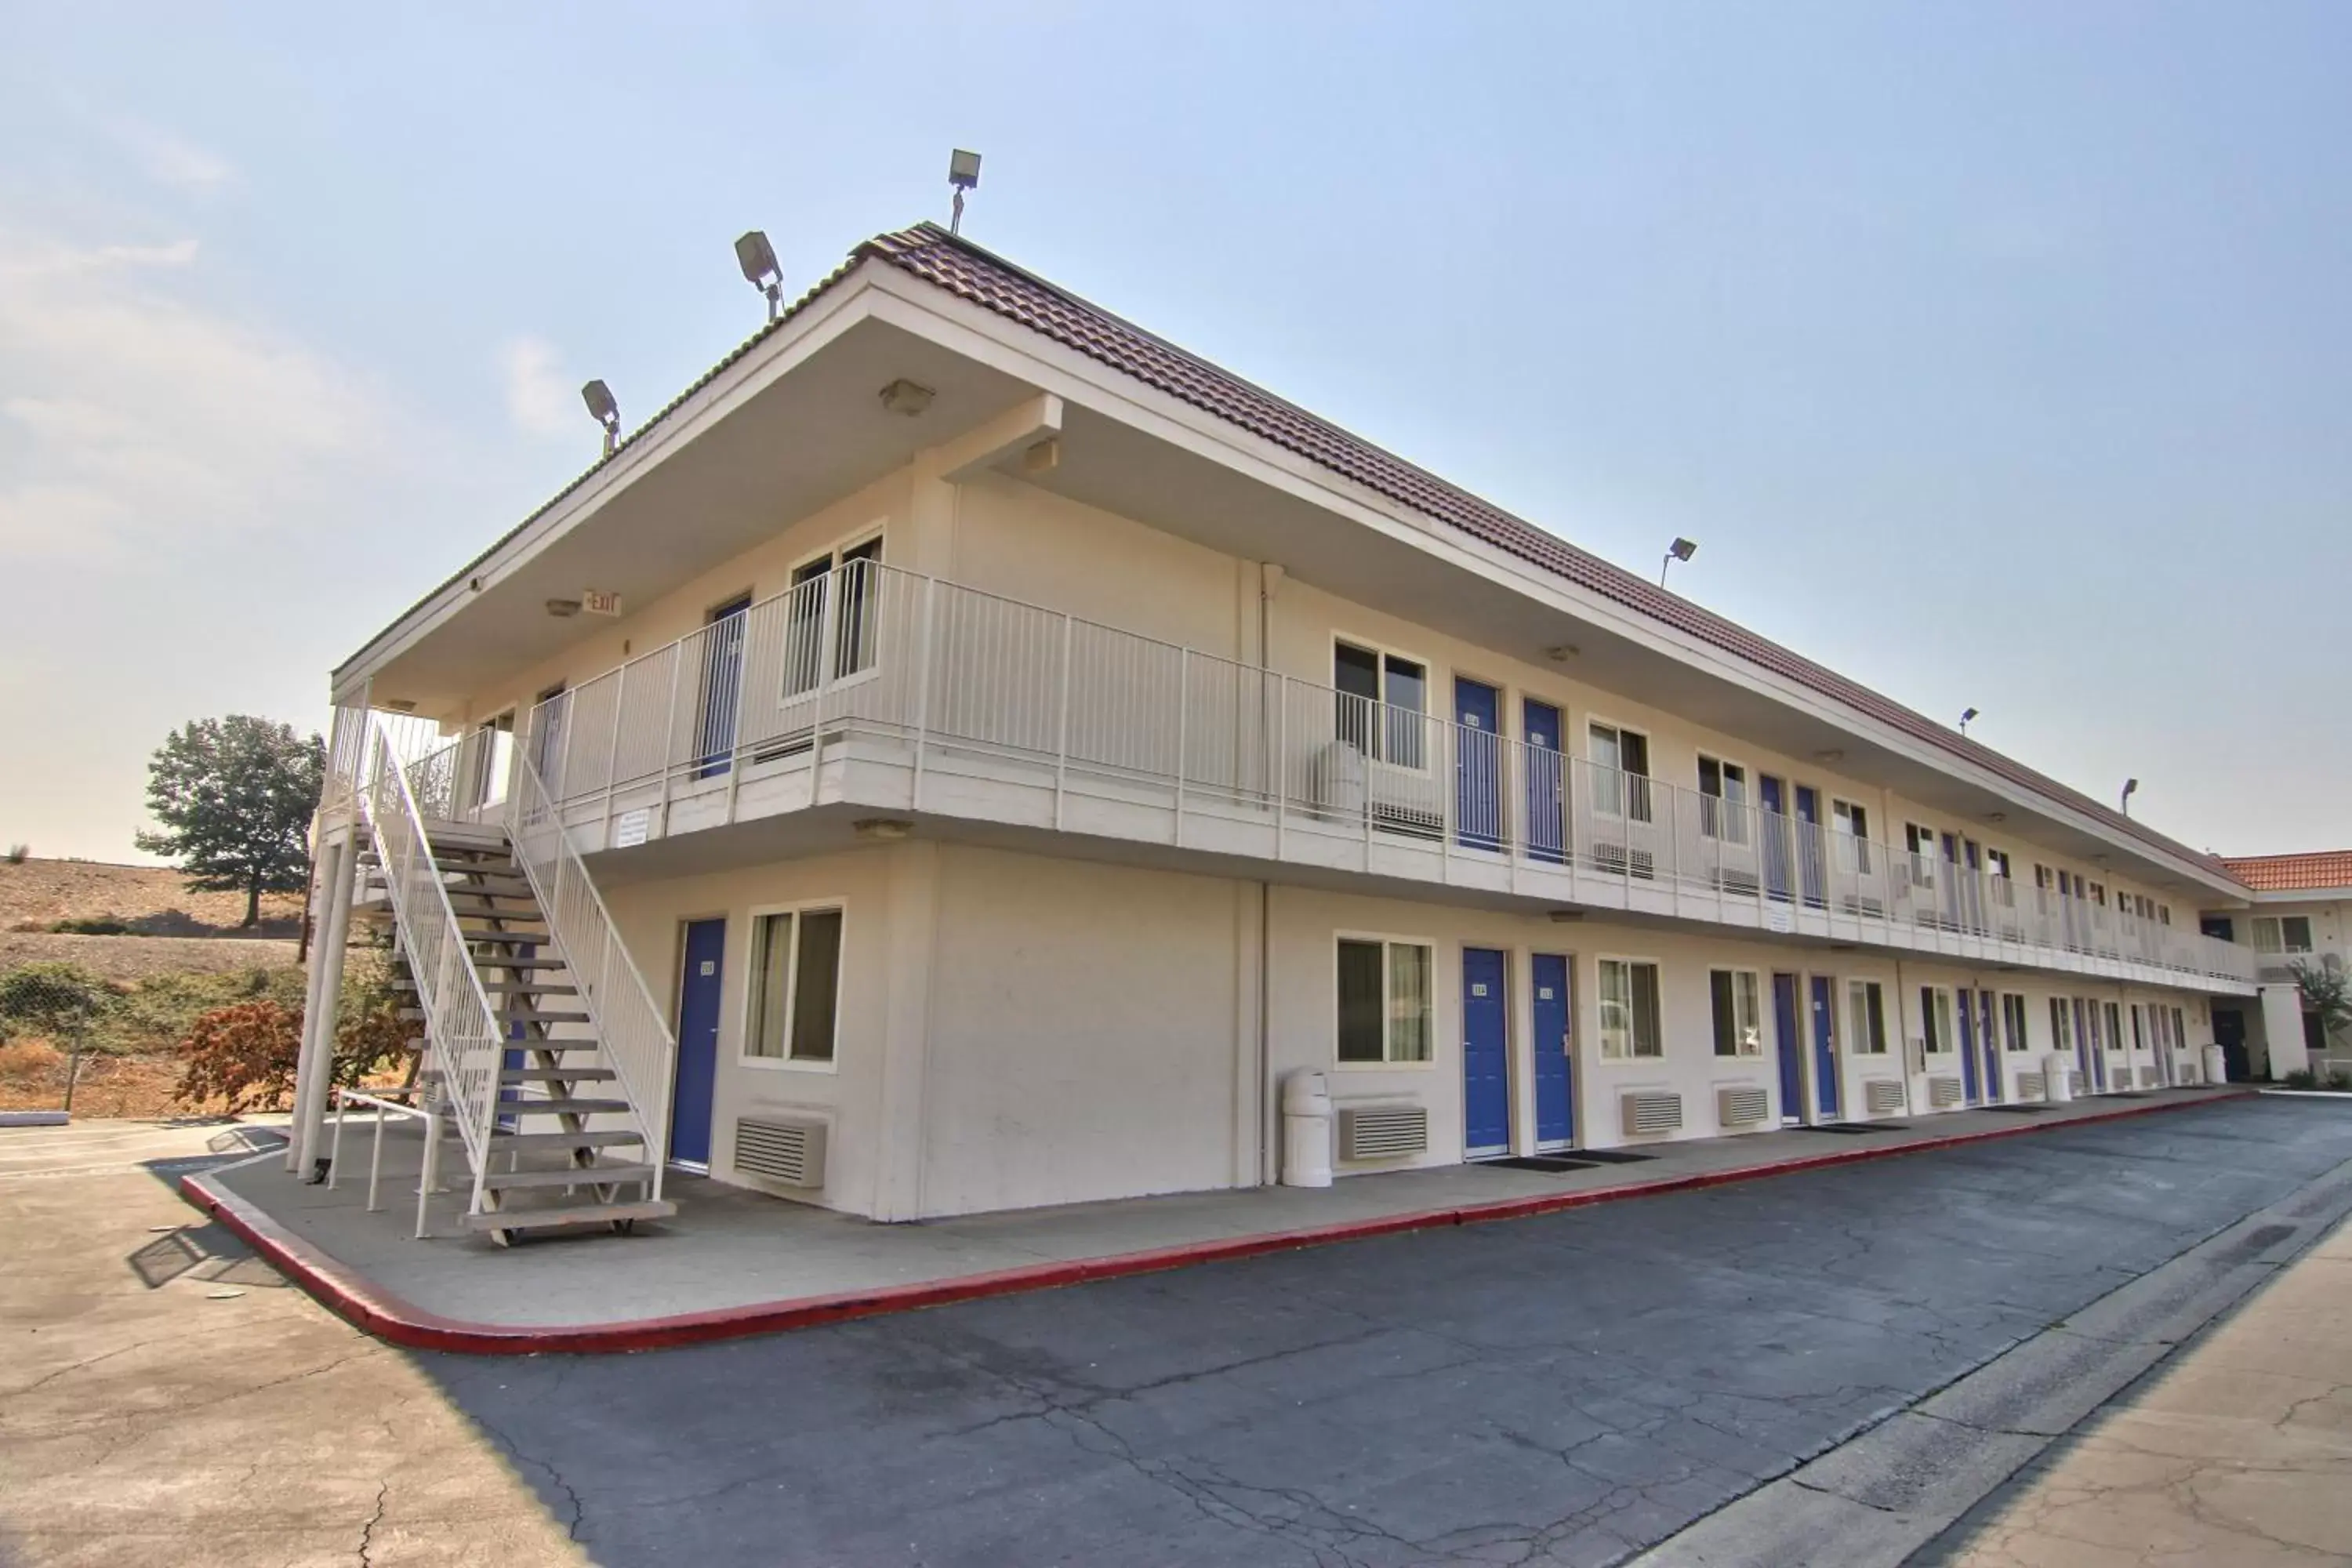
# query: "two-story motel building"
{"type": "Point", "coordinates": [1021, 746]}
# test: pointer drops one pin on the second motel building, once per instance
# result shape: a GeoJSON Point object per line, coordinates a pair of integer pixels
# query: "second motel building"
{"type": "Point", "coordinates": [1021, 746]}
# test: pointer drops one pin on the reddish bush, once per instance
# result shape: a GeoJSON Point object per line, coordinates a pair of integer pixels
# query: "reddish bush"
{"type": "Point", "coordinates": [246, 1054]}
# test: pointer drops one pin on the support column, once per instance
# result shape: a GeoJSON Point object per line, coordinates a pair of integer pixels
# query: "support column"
{"type": "Point", "coordinates": [316, 1069]}
{"type": "Point", "coordinates": [324, 860]}
{"type": "Point", "coordinates": [2282, 1030]}
{"type": "Point", "coordinates": [900, 1125]}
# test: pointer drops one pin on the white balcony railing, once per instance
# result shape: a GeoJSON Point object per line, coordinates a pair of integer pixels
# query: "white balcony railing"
{"type": "Point", "coordinates": [936, 692]}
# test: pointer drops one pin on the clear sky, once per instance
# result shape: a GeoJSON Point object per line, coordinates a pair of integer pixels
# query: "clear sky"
{"type": "Point", "coordinates": [1999, 355]}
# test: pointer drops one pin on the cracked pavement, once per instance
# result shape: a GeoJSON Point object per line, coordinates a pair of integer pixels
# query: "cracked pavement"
{"type": "Point", "coordinates": [1565, 1390]}
{"type": "Point", "coordinates": [143, 1421]}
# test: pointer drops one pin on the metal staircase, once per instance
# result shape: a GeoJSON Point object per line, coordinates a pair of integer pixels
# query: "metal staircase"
{"type": "Point", "coordinates": [517, 1042]}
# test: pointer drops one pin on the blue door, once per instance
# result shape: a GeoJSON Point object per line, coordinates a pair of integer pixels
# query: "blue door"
{"type": "Point", "coordinates": [1965, 1001]}
{"type": "Point", "coordinates": [1555, 1085]}
{"type": "Point", "coordinates": [1989, 1043]}
{"type": "Point", "coordinates": [1478, 764]}
{"type": "Point", "coordinates": [1546, 778]}
{"type": "Point", "coordinates": [1810, 875]}
{"type": "Point", "coordinates": [1485, 1057]}
{"type": "Point", "coordinates": [722, 686]}
{"type": "Point", "coordinates": [698, 1042]}
{"type": "Point", "coordinates": [1771, 795]}
{"type": "Point", "coordinates": [1825, 1063]}
{"type": "Point", "coordinates": [1790, 1043]}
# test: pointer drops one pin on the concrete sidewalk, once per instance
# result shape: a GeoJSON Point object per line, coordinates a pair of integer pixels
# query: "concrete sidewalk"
{"type": "Point", "coordinates": [2238, 1451]}
{"type": "Point", "coordinates": [734, 1262]}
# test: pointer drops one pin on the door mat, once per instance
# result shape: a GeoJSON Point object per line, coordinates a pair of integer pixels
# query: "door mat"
{"type": "Point", "coordinates": [1612, 1156]}
{"type": "Point", "coordinates": [1854, 1127]}
{"type": "Point", "coordinates": [1539, 1162]}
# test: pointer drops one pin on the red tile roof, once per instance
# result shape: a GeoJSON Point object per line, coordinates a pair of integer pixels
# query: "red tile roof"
{"type": "Point", "coordinates": [931, 253]}
{"type": "Point", "coordinates": [2286, 873]}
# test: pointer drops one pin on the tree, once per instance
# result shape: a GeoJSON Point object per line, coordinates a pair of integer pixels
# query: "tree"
{"type": "Point", "coordinates": [235, 796]}
{"type": "Point", "coordinates": [2327, 992]}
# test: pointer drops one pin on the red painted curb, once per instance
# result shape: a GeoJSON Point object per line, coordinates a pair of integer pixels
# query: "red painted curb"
{"type": "Point", "coordinates": [351, 1295]}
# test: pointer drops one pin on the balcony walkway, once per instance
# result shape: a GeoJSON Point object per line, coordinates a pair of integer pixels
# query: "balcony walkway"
{"type": "Point", "coordinates": [734, 1262]}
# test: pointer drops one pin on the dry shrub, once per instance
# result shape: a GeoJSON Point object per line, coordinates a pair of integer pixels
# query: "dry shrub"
{"type": "Point", "coordinates": [244, 1055]}
{"type": "Point", "coordinates": [30, 1061]}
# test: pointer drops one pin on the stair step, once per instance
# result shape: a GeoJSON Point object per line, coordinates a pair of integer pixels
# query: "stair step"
{"type": "Point", "coordinates": [561, 1105]}
{"type": "Point", "coordinates": [585, 1213]}
{"type": "Point", "coordinates": [566, 1176]}
{"type": "Point", "coordinates": [518, 961]}
{"type": "Point", "coordinates": [603, 1138]}
{"type": "Point", "coordinates": [407, 985]}
{"type": "Point", "coordinates": [557, 1074]}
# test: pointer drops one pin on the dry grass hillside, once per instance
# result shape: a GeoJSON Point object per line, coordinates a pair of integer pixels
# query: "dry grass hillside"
{"type": "Point", "coordinates": [153, 900]}
{"type": "Point", "coordinates": [181, 954]}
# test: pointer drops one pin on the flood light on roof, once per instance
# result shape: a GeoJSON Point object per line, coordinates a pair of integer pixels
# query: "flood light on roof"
{"type": "Point", "coordinates": [1965, 714]}
{"type": "Point", "coordinates": [964, 175]}
{"type": "Point", "coordinates": [1680, 550]}
{"type": "Point", "coordinates": [757, 257]}
{"type": "Point", "coordinates": [607, 413]}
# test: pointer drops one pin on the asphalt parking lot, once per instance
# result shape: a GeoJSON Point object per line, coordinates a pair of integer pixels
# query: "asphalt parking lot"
{"type": "Point", "coordinates": [1563, 1390]}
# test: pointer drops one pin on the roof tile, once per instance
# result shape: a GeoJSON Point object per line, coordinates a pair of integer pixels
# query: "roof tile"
{"type": "Point", "coordinates": [2287, 873]}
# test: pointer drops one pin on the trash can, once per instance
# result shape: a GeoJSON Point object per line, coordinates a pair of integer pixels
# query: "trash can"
{"type": "Point", "coordinates": [2058, 1079]}
{"type": "Point", "coordinates": [1306, 1130]}
{"type": "Point", "coordinates": [2216, 1065]}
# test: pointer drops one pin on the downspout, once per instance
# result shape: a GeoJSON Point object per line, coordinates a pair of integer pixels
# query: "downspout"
{"type": "Point", "coordinates": [1269, 578]}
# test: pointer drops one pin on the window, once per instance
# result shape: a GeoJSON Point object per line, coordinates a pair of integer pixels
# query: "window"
{"type": "Point", "coordinates": [1384, 1001]}
{"type": "Point", "coordinates": [851, 579]}
{"type": "Point", "coordinates": [1628, 1009]}
{"type": "Point", "coordinates": [1722, 800]}
{"type": "Point", "coordinates": [2139, 1028]}
{"type": "Point", "coordinates": [1936, 1020]}
{"type": "Point", "coordinates": [795, 985]}
{"type": "Point", "coordinates": [2012, 1021]}
{"type": "Point", "coordinates": [2099, 894]}
{"type": "Point", "coordinates": [1738, 1019]}
{"type": "Point", "coordinates": [1867, 1003]}
{"type": "Point", "coordinates": [2001, 875]}
{"type": "Point", "coordinates": [1379, 702]}
{"type": "Point", "coordinates": [2163, 914]}
{"type": "Point", "coordinates": [1851, 824]}
{"type": "Point", "coordinates": [2179, 1031]}
{"type": "Point", "coordinates": [2060, 1034]}
{"type": "Point", "coordinates": [1921, 842]}
{"type": "Point", "coordinates": [2282, 933]}
{"type": "Point", "coordinates": [1621, 771]}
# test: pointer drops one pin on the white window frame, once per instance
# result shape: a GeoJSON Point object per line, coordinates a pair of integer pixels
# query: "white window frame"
{"type": "Point", "coordinates": [1632, 1053]}
{"type": "Point", "coordinates": [1382, 652]}
{"type": "Point", "coordinates": [1858, 992]}
{"type": "Point", "coordinates": [1720, 816]}
{"type": "Point", "coordinates": [1850, 823]}
{"type": "Point", "coordinates": [753, 957]}
{"type": "Point", "coordinates": [1750, 1044]}
{"type": "Point", "coordinates": [829, 676]}
{"type": "Point", "coordinates": [1923, 861]}
{"type": "Point", "coordinates": [1390, 1061]}
{"type": "Point", "coordinates": [2016, 1024]}
{"type": "Point", "coordinates": [1612, 799]}
{"type": "Point", "coordinates": [1939, 1007]}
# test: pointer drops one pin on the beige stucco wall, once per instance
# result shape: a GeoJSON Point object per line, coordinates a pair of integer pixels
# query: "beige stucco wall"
{"type": "Point", "coordinates": [998, 533]}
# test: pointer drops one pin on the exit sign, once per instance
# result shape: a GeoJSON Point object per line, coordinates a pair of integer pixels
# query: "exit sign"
{"type": "Point", "coordinates": [597, 602]}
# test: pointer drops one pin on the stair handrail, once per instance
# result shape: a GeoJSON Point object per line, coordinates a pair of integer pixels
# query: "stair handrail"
{"type": "Point", "coordinates": [629, 1024]}
{"type": "Point", "coordinates": [461, 1027]}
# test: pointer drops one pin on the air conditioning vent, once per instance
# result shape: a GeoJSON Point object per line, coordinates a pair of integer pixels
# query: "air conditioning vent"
{"type": "Point", "coordinates": [1882, 1095]}
{"type": "Point", "coordinates": [2274, 975]}
{"type": "Point", "coordinates": [2032, 1086]}
{"type": "Point", "coordinates": [1647, 1114]}
{"type": "Point", "coordinates": [1742, 1107]}
{"type": "Point", "coordinates": [1382, 1131]}
{"type": "Point", "coordinates": [790, 1153]}
{"type": "Point", "coordinates": [2148, 1077]}
{"type": "Point", "coordinates": [1943, 1092]}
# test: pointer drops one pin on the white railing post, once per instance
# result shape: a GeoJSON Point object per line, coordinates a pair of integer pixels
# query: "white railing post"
{"type": "Point", "coordinates": [923, 691]}
{"type": "Point", "coordinates": [1281, 758]}
{"type": "Point", "coordinates": [669, 718]}
{"type": "Point", "coordinates": [1183, 730]}
{"type": "Point", "coordinates": [1062, 733]}
{"type": "Point", "coordinates": [612, 753]}
{"type": "Point", "coordinates": [825, 622]}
